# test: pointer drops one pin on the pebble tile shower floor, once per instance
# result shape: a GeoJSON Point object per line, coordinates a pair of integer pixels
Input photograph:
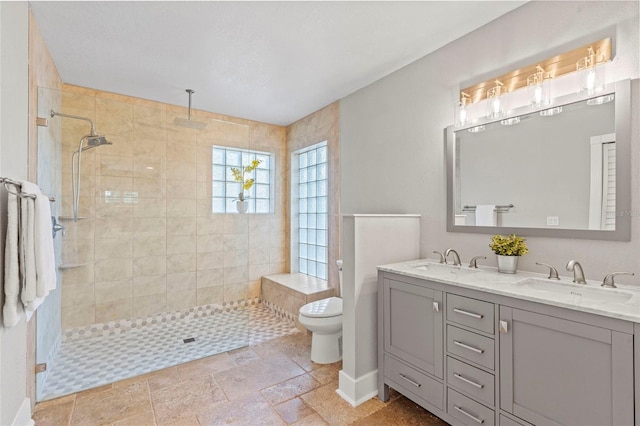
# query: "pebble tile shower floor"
{"type": "Point", "coordinates": [85, 364]}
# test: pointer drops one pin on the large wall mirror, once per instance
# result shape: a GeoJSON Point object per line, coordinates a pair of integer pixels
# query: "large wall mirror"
{"type": "Point", "coordinates": [560, 171]}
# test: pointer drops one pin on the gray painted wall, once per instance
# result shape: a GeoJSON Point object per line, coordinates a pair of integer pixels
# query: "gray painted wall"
{"type": "Point", "coordinates": [392, 132]}
{"type": "Point", "coordinates": [14, 91]}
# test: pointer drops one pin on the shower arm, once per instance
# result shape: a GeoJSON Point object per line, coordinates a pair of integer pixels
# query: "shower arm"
{"type": "Point", "coordinates": [77, 117]}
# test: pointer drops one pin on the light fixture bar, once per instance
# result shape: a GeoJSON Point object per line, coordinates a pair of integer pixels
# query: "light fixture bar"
{"type": "Point", "coordinates": [555, 66]}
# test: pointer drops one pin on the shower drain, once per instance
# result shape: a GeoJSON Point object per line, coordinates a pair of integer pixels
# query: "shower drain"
{"type": "Point", "coordinates": [189, 340]}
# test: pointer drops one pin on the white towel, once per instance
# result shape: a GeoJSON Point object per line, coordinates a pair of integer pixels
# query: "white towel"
{"type": "Point", "coordinates": [486, 215]}
{"type": "Point", "coordinates": [40, 272]}
{"type": "Point", "coordinates": [10, 312]}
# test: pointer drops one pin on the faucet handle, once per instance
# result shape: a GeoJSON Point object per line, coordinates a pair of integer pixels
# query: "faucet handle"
{"type": "Point", "coordinates": [608, 280]}
{"type": "Point", "coordinates": [442, 258]}
{"type": "Point", "coordinates": [553, 272]}
{"type": "Point", "coordinates": [473, 263]}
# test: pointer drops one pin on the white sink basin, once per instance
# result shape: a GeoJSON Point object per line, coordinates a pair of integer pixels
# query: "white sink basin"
{"type": "Point", "coordinates": [575, 293]}
{"type": "Point", "coordinates": [444, 269]}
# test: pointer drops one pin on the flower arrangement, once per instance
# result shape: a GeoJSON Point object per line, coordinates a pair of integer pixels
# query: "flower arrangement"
{"type": "Point", "coordinates": [240, 175]}
{"type": "Point", "coordinates": [511, 245]}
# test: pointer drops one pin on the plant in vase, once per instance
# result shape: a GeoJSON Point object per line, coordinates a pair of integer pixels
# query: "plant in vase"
{"type": "Point", "coordinates": [508, 250]}
{"type": "Point", "coordinates": [243, 176]}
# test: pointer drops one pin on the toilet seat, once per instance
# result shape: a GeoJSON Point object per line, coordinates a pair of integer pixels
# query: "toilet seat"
{"type": "Point", "coordinates": [325, 308]}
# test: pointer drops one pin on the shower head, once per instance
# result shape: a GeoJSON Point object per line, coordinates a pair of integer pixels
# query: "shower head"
{"type": "Point", "coordinates": [94, 141]}
{"type": "Point", "coordinates": [187, 122]}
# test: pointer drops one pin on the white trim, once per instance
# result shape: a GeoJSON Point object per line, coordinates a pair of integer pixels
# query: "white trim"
{"type": "Point", "coordinates": [23, 417]}
{"type": "Point", "coordinates": [356, 392]}
{"type": "Point", "coordinates": [596, 181]}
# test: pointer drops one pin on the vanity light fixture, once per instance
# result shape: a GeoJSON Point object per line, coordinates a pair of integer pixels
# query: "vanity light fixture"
{"type": "Point", "coordinates": [538, 88]}
{"type": "Point", "coordinates": [591, 72]}
{"type": "Point", "coordinates": [510, 121]}
{"type": "Point", "coordinates": [551, 111]}
{"type": "Point", "coordinates": [601, 99]}
{"type": "Point", "coordinates": [496, 104]}
{"type": "Point", "coordinates": [461, 113]}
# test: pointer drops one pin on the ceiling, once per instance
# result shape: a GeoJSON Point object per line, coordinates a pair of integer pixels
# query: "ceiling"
{"type": "Point", "coordinates": [274, 62]}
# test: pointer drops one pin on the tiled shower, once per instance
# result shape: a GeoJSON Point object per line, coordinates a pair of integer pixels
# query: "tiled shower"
{"type": "Point", "coordinates": [146, 250]}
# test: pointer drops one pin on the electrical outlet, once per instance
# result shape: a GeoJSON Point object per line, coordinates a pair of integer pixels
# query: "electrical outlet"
{"type": "Point", "coordinates": [553, 221]}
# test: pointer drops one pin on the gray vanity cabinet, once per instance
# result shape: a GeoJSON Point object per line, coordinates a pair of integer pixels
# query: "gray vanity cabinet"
{"type": "Point", "coordinates": [559, 372]}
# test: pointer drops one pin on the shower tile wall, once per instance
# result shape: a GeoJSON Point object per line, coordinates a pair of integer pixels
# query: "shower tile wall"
{"type": "Point", "coordinates": [149, 242]}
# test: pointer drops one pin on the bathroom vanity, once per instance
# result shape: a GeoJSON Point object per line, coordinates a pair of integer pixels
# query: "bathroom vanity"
{"type": "Point", "coordinates": [474, 347]}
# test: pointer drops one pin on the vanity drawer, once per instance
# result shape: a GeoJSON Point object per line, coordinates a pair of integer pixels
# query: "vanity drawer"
{"type": "Point", "coordinates": [470, 312]}
{"type": "Point", "coordinates": [467, 411]}
{"type": "Point", "coordinates": [471, 346]}
{"type": "Point", "coordinates": [475, 382]}
{"type": "Point", "coordinates": [408, 378]}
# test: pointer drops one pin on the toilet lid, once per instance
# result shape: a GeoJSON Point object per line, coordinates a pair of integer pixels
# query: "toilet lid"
{"type": "Point", "coordinates": [324, 308]}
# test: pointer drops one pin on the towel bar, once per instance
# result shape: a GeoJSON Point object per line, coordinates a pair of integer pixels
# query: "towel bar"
{"type": "Point", "coordinates": [20, 194]}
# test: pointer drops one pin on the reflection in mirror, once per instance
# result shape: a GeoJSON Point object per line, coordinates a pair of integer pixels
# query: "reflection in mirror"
{"type": "Point", "coordinates": [544, 172]}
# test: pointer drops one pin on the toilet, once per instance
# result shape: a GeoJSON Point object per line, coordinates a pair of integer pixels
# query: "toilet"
{"type": "Point", "coordinates": [324, 319]}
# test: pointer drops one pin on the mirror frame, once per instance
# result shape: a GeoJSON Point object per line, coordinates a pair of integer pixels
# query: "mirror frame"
{"type": "Point", "coordinates": [622, 90]}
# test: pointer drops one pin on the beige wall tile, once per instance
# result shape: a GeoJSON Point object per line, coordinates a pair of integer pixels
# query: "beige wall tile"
{"type": "Point", "coordinates": [146, 286]}
{"type": "Point", "coordinates": [148, 305]}
{"type": "Point", "coordinates": [113, 291]}
{"type": "Point", "coordinates": [116, 310]}
{"type": "Point", "coordinates": [146, 246]}
{"type": "Point", "coordinates": [236, 258]}
{"type": "Point", "coordinates": [181, 226]}
{"type": "Point", "coordinates": [113, 248]}
{"type": "Point", "coordinates": [210, 278]}
{"type": "Point", "coordinates": [78, 275]}
{"type": "Point", "coordinates": [110, 165]}
{"type": "Point", "coordinates": [145, 131]}
{"type": "Point", "coordinates": [181, 207]}
{"type": "Point", "coordinates": [149, 148]}
{"type": "Point", "coordinates": [78, 294]}
{"type": "Point", "coordinates": [114, 117]}
{"type": "Point", "coordinates": [150, 187]}
{"type": "Point", "coordinates": [113, 209]}
{"type": "Point", "coordinates": [113, 184]}
{"type": "Point", "coordinates": [113, 269]}
{"type": "Point", "coordinates": [253, 289]}
{"type": "Point", "coordinates": [236, 275]}
{"type": "Point", "coordinates": [210, 260]}
{"type": "Point", "coordinates": [181, 281]}
{"type": "Point", "coordinates": [149, 266]}
{"type": "Point", "coordinates": [177, 169]}
{"type": "Point", "coordinates": [148, 167]}
{"type": "Point", "coordinates": [204, 207]}
{"type": "Point", "coordinates": [181, 244]}
{"type": "Point", "coordinates": [234, 292]}
{"type": "Point", "coordinates": [236, 242]}
{"type": "Point", "coordinates": [259, 255]}
{"type": "Point", "coordinates": [209, 295]}
{"type": "Point", "coordinates": [82, 229]}
{"type": "Point", "coordinates": [114, 227]}
{"type": "Point", "coordinates": [150, 207]}
{"type": "Point", "coordinates": [149, 226]}
{"type": "Point", "coordinates": [181, 299]}
{"type": "Point", "coordinates": [178, 189]}
{"type": "Point", "coordinates": [236, 224]}
{"type": "Point", "coordinates": [208, 243]}
{"type": "Point", "coordinates": [256, 272]}
{"type": "Point", "coordinates": [78, 315]}
{"type": "Point", "coordinates": [78, 251]}
{"type": "Point", "coordinates": [181, 263]}
{"type": "Point", "coordinates": [210, 225]}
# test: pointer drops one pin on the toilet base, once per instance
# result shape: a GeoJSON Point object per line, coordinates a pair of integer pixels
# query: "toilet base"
{"type": "Point", "coordinates": [326, 348]}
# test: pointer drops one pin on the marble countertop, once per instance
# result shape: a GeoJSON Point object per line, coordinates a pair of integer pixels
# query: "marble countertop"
{"type": "Point", "coordinates": [621, 303]}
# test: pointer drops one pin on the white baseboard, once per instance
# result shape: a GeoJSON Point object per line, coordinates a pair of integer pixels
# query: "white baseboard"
{"type": "Point", "coordinates": [357, 391]}
{"type": "Point", "coordinates": [23, 417]}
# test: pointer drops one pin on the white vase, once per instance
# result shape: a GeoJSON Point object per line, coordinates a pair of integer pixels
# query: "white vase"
{"type": "Point", "coordinates": [507, 264]}
{"type": "Point", "coordinates": [242, 206]}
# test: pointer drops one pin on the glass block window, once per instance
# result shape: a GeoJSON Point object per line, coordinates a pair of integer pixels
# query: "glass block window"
{"type": "Point", "coordinates": [225, 189]}
{"type": "Point", "coordinates": [309, 210]}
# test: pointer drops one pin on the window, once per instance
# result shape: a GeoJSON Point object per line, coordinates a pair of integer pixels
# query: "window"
{"type": "Point", "coordinates": [309, 210]}
{"type": "Point", "coordinates": [226, 189]}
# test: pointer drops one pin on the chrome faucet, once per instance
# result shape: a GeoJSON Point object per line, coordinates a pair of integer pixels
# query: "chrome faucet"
{"type": "Point", "coordinates": [578, 273]}
{"type": "Point", "coordinates": [442, 259]}
{"type": "Point", "coordinates": [608, 280]}
{"type": "Point", "coordinates": [473, 263]}
{"type": "Point", "coordinates": [456, 256]}
{"type": "Point", "coordinates": [553, 272]}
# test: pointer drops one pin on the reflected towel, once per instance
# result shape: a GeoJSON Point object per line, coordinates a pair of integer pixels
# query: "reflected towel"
{"type": "Point", "coordinates": [10, 312]}
{"type": "Point", "coordinates": [486, 215]}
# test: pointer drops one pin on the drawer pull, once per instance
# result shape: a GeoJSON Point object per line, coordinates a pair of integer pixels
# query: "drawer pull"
{"type": "Point", "coordinates": [413, 382]}
{"type": "Point", "coordinates": [471, 416]}
{"type": "Point", "coordinates": [467, 313]}
{"type": "Point", "coordinates": [471, 348]}
{"type": "Point", "coordinates": [470, 382]}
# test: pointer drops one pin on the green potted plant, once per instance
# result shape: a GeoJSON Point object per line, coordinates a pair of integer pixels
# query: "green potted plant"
{"type": "Point", "coordinates": [508, 250]}
{"type": "Point", "coordinates": [243, 176]}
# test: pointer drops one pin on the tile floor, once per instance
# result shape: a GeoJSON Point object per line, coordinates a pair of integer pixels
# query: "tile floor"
{"type": "Point", "coordinates": [268, 383]}
{"type": "Point", "coordinates": [88, 363]}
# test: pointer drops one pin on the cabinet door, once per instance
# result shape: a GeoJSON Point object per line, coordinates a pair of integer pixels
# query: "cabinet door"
{"type": "Point", "coordinates": [413, 325]}
{"type": "Point", "coordinates": [559, 372]}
